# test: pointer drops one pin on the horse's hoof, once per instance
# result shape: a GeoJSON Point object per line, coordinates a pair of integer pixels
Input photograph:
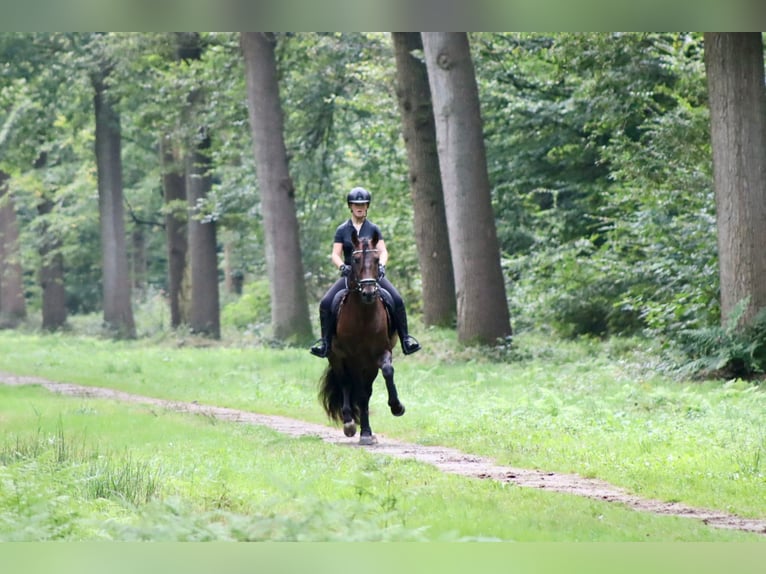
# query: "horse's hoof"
{"type": "Point", "coordinates": [349, 429]}
{"type": "Point", "coordinates": [397, 410]}
{"type": "Point", "coordinates": [368, 440]}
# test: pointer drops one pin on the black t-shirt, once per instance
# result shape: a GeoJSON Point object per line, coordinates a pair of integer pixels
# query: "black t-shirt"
{"type": "Point", "coordinates": [343, 235]}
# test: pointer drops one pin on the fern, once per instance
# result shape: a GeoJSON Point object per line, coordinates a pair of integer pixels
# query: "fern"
{"type": "Point", "coordinates": [730, 350]}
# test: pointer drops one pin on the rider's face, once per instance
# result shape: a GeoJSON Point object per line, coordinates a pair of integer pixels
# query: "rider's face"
{"type": "Point", "coordinates": [359, 209]}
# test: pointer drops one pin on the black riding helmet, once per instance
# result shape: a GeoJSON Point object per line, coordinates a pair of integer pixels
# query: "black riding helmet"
{"type": "Point", "coordinates": [358, 195]}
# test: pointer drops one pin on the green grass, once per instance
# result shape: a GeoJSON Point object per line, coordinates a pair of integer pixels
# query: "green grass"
{"type": "Point", "coordinates": [602, 410]}
{"type": "Point", "coordinates": [191, 478]}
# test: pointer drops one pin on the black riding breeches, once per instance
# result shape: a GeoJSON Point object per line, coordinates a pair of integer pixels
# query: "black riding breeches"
{"type": "Point", "coordinates": [326, 302]}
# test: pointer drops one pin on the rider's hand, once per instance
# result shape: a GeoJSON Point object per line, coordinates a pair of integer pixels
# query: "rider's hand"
{"type": "Point", "coordinates": [381, 271]}
{"type": "Point", "coordinates": [345, 270]}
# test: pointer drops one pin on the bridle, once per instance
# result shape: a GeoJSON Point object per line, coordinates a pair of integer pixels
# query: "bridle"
{"type": "Point", "coordinates": [362, 283]}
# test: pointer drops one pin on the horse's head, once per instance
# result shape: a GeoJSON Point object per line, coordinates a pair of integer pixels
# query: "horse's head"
{"type": "Point", "coordinates": [364, 267]}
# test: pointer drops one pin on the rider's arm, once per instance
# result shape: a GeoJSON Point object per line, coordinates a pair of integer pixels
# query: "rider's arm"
{"type": "Point", "coordinates": [337, 254]}
{"type": "Point", "coordinates": [382, 252]}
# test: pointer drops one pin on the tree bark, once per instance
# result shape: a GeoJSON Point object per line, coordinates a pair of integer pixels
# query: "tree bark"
{"type": "Point", "coordinates": [289, 304]}
{"type": "Point", "coordinates": [139, 268]}
{"type": "Point", "coordinates": [51, 275]}
{"type": "Point", "coordinates": [482, 306]}
{"type": "Point", "coordinates": [51, 272]}
{"type": "Point", "coordinates": [202, 255]}
{"type": "Point", "coordinates": [205, 312]}
{"type": "Point", "coordinates": [176, 217]}
{"type": "Point", "coordinates": [234, 278]}
{"type": "Point", "coordinates": [118, 312]}
{"type": "Point", "coordinates": [430, 220]}
{"type": "Point", "coordinates": [735, 77]}
{"type": "Point", "coordinates": [13, 307]}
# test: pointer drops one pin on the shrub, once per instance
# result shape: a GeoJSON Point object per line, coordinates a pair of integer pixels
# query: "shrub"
{"type": "Point", "coordinates": [252, 308]}
{"type": "Point", "coordinates": [576, 292]}
{"type": "Point", "coordinates": [729, 351]}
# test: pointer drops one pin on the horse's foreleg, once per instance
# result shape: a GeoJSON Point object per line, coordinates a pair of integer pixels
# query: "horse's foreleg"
{"type": "Point", "coordinates": [349, 426]}
{"type": "Point", "coordinates": [365, 431]}
{"type": "Point", "coordinates": [387, 368]}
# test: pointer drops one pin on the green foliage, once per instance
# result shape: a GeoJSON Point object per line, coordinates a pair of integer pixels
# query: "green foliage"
{"type": "Point", "coordinates": [729, 351]}
{"type": "Point", "coordinates": [252, 309]}
{"type": "Point", "coordinates": [588, 304]}
{"type": "Point", "coordinates": [50, 157]}
{"type": "Point", "coordinates": [598, 147]}
{"type": "Point", "coordinates": [343, 130]}
{"type": "Point", "coordinates": [663, 227]}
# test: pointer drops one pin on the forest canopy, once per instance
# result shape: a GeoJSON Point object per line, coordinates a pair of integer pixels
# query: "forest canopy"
{"type": "Point", "coordinates": [598, 152]}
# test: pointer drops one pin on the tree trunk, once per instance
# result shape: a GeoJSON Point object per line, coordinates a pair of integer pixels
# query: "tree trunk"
{"type": "Point", "coordinates": [138, 259]}
{"type": "Point", "coordinates": [118, 313]}
{"type": "Point", "coordinates": [51, 274]}
{"type": "Point", "coordinates": [205, 312]}
{"type": "Point", "coordinates": [201, 269]}
{"type": "Point", "coordinates": [289, 305]}
{"type": "Point", "coordinates": [234, 278]}
{"type": "Point", "coordinates": [482, 306]}
{"type": "Point", "coordinates": [735, 77]}
{"type": "Point", "coordinates": [176, 216]}
{"type": "Point", "coordinates": [176, 202]}
{"type": "Point", "coordinates": [430, 219]}
{"type": "Point", "coordinates": [13, 307]}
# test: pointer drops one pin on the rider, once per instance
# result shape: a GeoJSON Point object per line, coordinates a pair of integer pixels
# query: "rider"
{"type": "Point", "coordinates": [358, 201]}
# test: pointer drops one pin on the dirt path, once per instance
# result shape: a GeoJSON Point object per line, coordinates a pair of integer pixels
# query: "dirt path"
{"type": "Point", "coordinates": [445, 459]}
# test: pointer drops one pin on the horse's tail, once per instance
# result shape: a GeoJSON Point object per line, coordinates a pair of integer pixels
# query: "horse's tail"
{"type": "Point", "coordinates": [331, 395]}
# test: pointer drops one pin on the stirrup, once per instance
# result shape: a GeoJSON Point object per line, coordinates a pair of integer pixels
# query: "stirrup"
{"type": "Point", "coordinates": [410, 345]}
{"type": "Point", "coordinates": [319, 349]}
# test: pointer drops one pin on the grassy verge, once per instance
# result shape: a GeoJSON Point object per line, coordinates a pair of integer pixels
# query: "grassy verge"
{"type": "Point", "coordinates": [599, 409]}
{"type": "Point", "coordinates": [86, 469]}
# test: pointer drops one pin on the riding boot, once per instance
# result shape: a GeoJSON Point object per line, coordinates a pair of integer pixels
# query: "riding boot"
{"type": "Point", "coordinates": [322, 346]}
{"type": "Point", "coordinates": [409, 343]}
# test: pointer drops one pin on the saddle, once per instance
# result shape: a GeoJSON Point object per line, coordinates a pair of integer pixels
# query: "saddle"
{"type": "Point", "coordinates": [340, 299]}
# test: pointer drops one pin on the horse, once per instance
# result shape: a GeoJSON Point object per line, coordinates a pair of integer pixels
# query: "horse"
{"type": "Point", "coordinates": [362, 346]}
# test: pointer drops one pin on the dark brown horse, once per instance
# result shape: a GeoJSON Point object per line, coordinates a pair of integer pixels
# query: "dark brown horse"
{"type": "Point", "coordinates": [361, 347]}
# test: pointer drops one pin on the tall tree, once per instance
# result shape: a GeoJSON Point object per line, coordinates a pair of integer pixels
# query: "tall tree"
{"type": "Point", "coordinates": [118, 312]}
{"type": "Point", "coordinates": [430, 220]}
{"type": "Point", "coordinates": [205, 310]}
{"type": "Point", "coordinates": [12, 304]}
{"type": "Point", "coordinates": [289, 305]}
{"type": "Point", "coordinates": [51, 272]}
{"type": "Point", "coordinates": [482, 306]}
{"type": "Point", "coordinates": [176, 236]}
{"type": "Point", "coordinates": [734, 68]}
